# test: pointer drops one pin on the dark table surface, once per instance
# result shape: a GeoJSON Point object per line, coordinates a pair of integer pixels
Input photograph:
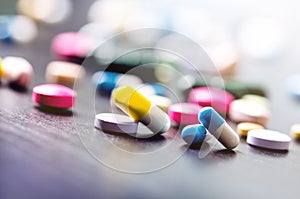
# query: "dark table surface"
{"type": "Point", "coordinates": [48, 155]}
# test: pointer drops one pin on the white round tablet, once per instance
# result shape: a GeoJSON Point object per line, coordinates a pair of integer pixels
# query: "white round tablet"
{"type": "Point", "coordinates": [268, 139]}
{"type": "Point", "coordinates": [115, 123]}
{"type": "Point", "coordinates": [23, 29]}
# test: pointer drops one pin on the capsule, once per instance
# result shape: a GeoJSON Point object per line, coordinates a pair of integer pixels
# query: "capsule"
{"type": "Point", "coordinates": [218, 127]}
{"type": "Point", "coordinates": [141, 109]}
{"type": "Point", "coordinates": [193, 134]}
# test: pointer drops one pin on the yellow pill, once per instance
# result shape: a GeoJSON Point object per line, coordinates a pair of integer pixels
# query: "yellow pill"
{"type": "Point", "coordinates": [141, 109]}
{"type": "Point", "coordinates": [244, 127]}
{"type": "Point", "coordinates": [295, 131]}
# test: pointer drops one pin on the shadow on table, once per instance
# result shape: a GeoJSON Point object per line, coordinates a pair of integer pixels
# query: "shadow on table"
{"type": "Point", "coordinates": [55, 111]}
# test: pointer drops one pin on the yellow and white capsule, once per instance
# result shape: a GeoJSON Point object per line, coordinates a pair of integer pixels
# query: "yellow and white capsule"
{"type": "Point", "coordinates": [141, 109]}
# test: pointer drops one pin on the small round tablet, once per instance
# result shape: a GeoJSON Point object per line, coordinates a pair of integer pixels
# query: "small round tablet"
{"type": "Point", "coordinates": [184, 113]}
{"type": "Point", "coordinates": [70, 45]}
{"type": "Point", "coordinates": [295, 131]}
{"type": "Point", "coordinates": [65, 73]}
{"type": "Point", "coordinates": [268, 139]}
{"type": "Point", "coordinates": [115, 123]}
{"type": "Point", "coordinates": [50, 12]}
{"type": "Point", "coordinates": [214, 97]}
{"type": "Point", "coordinates": [193, 134]}
{"type": "Point", "coordinates": [54, 95]}
{"type": "Point", "coordinates": [248, 111]}
{"type": "Point", "coordinates": [244, 127]}
{"type": "Point", "coordinates": [17, 70]}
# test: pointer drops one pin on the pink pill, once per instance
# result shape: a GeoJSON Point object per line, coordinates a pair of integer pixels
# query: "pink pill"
{"type": "Point", "coordinates": [54, 95]}
{"type": "Point", "coordinates": [70, 44]}
{"type": "Point", "coordinates": [219, 99]}
{"type": "Point", "coordinates": [184, 113]}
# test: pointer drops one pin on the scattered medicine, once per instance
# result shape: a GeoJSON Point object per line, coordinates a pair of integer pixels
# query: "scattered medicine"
{"type": "Point", "coordinates": [184, 113]}
{"type": "Point", "coordinates": [115, 123]}
{"type": "Point", "coordinates": [53, 95]}
{"type": "Point", "coordinates": [193, 134]}
{"type": "Point", "coordinates": [64, 73]}
{"type": "Point", "coordinates": [268, 139]}
{"type": "Point", "coordinates": [218, 127]}
{"type": "Point", "coordinates": [141, 109]}
{"type": "Point", "coordinates": [244, 127]}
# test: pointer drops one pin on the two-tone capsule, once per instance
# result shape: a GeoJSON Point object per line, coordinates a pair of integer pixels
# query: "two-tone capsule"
{"type": "Point", "coordinates": [218, 127]}
{"type": "Point", "coordinates": [138, 107]}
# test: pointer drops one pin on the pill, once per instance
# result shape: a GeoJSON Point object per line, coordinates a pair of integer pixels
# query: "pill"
{"type": "Point", "coordinates": [106, 81]}
{"type": "Point", "coordinates": [248, 111]}
{"type": "Point", "coordinates": [184, 113]}
{"type": "Point", "coordinates": [115, 123]}
{"type": "Point", "coordinates": [149, 89]}
{"type": "Point", "coordinates": [141, 109]}
{"type": "Point", "coordinates": [128, 80]}
{"type": "Point", "coordinates": [71, 46]}
{"type": "Point", "coordinates": [268, 139]}
{"type": "Point", "coordinates": [244, 127]}
{"type": "Point", "coordinates": [293, 85]}
{"type": "Point", "coordinates": [64, 73]}
{"type": "Point", "coordinates": [295, 131]}
{"type": "Point", "coordinates": [193, 134]}
{"type": "Point", "coordinates": [162, 102]}
{"type": "Point", "coordinates": [50, 12]}
{"type": "Point", "coordinates": [214, 97]}
{"type": "Point", "coordinates": [53, 95]}
{"type": "Point", "coordinates": [257, 99]}
{"type": "Point", "coordinates": [17, 28]}
{"type": "Point", "coordinates": [236, 88]}
{"type": "Point", "coordinates": [17, 70]}
{"type": "Point", "coordinates": [218, 127]}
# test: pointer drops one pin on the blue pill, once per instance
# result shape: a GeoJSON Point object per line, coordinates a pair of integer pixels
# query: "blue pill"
{"type": "Point", "coordinates": [4, 27]}
{"type": "Point", "coordinates": [210, 119]}
{"type": "Point", "coordinates": [193, 134]}
{"type": "Point", "coordinates": [217, 126]}
{"type": "Point", "coordinates": [105, 81]}
{"type": "Point", "coordinates": [159, 89]}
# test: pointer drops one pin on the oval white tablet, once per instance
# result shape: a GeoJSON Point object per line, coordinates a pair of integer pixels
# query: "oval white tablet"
{"type": "Point", "coordinates": [115, 123]}
{"type": "Point", "coordinates": [242, 110]}
{"type": "Point", "coordinates": [268, 139]}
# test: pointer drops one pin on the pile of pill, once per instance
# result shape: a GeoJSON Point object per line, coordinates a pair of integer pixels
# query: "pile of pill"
{"type": "Point", "coordinates": [207, 103]}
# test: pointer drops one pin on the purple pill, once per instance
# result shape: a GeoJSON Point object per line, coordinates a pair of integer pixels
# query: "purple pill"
{"type": "Point", "coordinates": [268, 139]}
{"type": "Point", "coordinates": [115, 123]}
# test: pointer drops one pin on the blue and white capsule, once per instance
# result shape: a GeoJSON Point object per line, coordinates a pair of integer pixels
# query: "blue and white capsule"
{"type": "Point", "coordinates": [218, 127]}
{"type": "Point", "coordinates": [193, 134]}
